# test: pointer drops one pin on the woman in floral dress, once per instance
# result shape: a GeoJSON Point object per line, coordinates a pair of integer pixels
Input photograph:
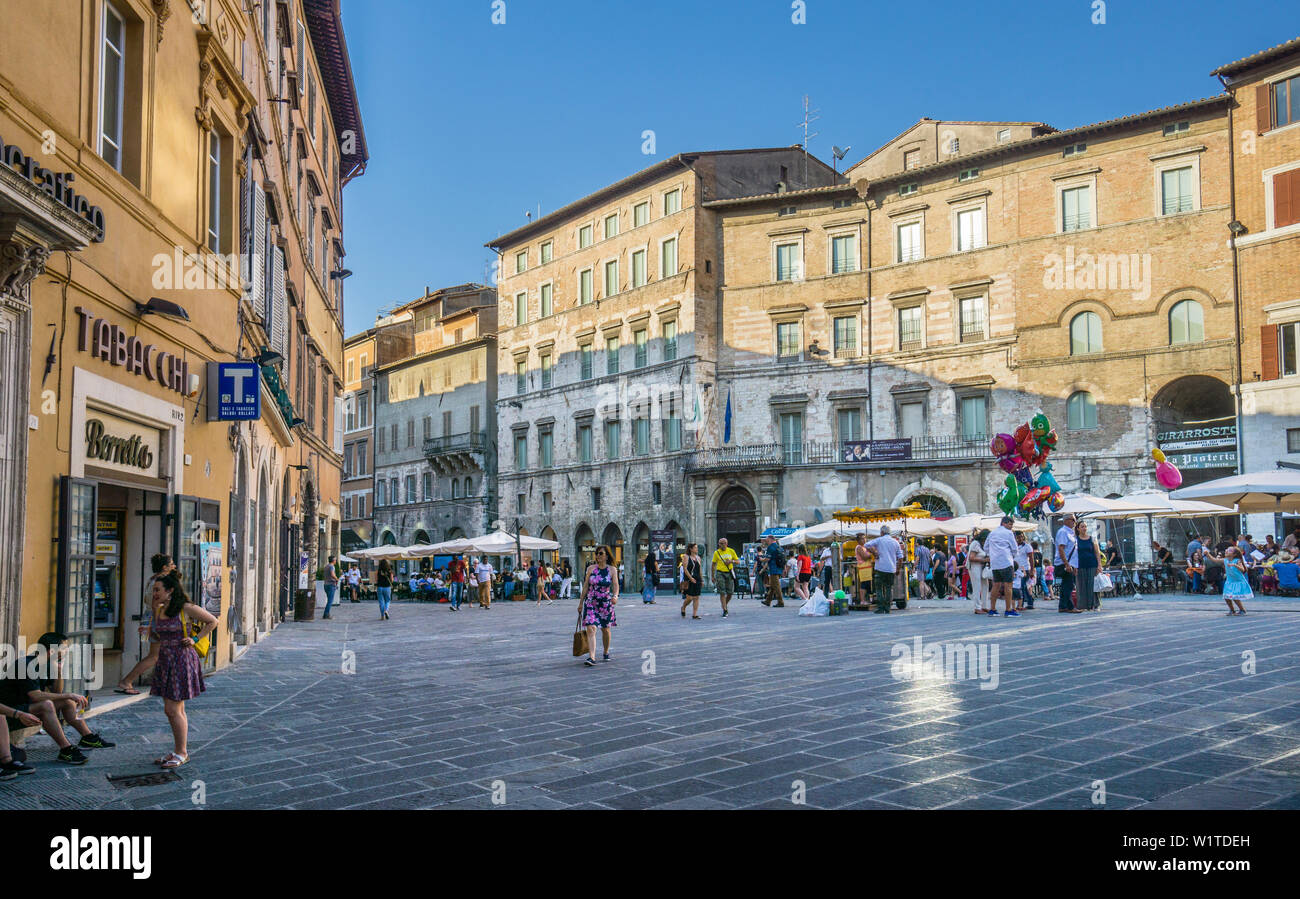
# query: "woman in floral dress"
{"type": "Point", "coordinates": [179, 673]}
{"type": "Point", "coordinates": [599, 596]}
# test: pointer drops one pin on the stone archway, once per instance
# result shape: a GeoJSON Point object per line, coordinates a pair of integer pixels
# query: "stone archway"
{"type": "Point", "coordinates": [240, 553]}
{"type": "Point", "coordinates": [265, 546]}
{"type": "Point", "coordinates": [941, 493]}
{"type": "Point", "coordinates": [640, 546]}
{"type": "Point", "coordinates": [1197, 408]}
{"type": "Point", "coordinates": [583, 537]}
{"type": "Point", "coordinates": [613, 538]}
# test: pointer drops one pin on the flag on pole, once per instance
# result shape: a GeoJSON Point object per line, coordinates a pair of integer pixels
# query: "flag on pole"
{"type": "Point", "coordinates": [726, 421]}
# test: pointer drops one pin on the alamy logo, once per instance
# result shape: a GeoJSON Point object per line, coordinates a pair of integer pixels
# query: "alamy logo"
{"type": "Point", "coordinates": [89, 853]}
{"type": "Point", "coordinates": [81, 662]}
{"type": "Point", "coordinates": [946, 661]}
{"type": "Point", "coordinates": [1083, 270]}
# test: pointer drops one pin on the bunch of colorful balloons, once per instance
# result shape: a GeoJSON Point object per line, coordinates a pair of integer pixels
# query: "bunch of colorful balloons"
{"type": "Point", "coordinates": [1167, 473]}
{"type": "Point", "coordinates": [1025, 494]}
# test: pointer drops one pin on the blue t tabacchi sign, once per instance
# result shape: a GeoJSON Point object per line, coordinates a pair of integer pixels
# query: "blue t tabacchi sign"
{"type": "Point", "coordinates": [234, 391]}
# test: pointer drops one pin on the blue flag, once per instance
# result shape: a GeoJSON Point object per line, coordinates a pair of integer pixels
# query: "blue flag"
{"type": "Point", "coordinates": [726, 421]}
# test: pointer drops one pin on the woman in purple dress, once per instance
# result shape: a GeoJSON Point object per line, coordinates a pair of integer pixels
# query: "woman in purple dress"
{"type": "Point", "coordinates": [599, 596]}
{"type": "Point", "coordinates": [179, 672]}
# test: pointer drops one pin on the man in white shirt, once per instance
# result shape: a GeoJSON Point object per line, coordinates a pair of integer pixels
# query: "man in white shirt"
{"type": "Point", "coordinates": [826, 560]}
{"type": "Point", "coordinates": [1001, 547]}
{"type": "Point", "coordinates": [483, 573]}
{"type": "Point", "coordinates": [887, 555]}
{"type": "Point", "coordinates": [1062, 548]}
{"type": "Point", "coordinates": [1025, 571]}
{"type": "Point", "coordinates": [977, 561]}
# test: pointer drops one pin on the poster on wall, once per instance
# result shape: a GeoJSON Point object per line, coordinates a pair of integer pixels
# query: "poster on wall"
{"type": "Point", "coordinates": [302, 571]}
{"type": "Point", "coordinates": [664, 546]}
{"type": "Point", "coordinates": [210, 573]}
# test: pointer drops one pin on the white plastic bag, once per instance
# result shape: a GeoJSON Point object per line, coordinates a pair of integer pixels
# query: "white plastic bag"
{"type": "Point", "coordinates": [816, 605]}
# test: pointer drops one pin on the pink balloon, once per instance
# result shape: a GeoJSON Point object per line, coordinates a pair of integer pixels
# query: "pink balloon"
{"type": "Point", "coordinates": [1168, 475]}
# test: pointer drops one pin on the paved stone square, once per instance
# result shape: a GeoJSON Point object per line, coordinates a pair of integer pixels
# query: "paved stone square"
{"type": "Point", "coordinates": [1146, 699]}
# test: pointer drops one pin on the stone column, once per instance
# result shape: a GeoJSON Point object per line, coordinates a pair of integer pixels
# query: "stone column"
{"type": "Point", "coordinates": [21, 260]}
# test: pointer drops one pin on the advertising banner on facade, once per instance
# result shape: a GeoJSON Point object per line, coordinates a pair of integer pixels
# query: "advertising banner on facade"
{"type": "Point", "coordinates": [664, 545]}
{"type": "Point", "coordinates": [877, 450]}
{"type": "Point", "coordinates": [211, 568]}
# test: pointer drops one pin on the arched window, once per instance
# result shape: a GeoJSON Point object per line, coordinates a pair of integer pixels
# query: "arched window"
{"type": "Point", "coordinates": [1085, 334]}
{"type": "Point", "coordinates": [1186, 322]}
{"type": "Point", "coordinates": [1081, 411]}
{"type": "Point", "coordinates": [455, 489]}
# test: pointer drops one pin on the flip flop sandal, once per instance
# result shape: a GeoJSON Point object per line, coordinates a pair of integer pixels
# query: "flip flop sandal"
{"type": "Point", "coordinates": [162, 761]}
{"type": "Point", "coordinates": [130, 692]}
{"type": "Point", "coordinates": [175, 760]}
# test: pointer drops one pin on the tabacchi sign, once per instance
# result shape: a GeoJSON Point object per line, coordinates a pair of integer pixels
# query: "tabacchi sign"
{"type": "Point", "coordinates": [105, 340]}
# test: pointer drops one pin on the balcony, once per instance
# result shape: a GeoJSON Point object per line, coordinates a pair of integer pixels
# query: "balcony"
{"type": "Point", "coordinates": [456, 453]}
{"type": "Point", "coordinates": [766, 456]}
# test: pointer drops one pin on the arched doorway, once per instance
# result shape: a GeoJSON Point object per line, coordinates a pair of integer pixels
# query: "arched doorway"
{"type": "Point", "coordinates": [455, 534]}
{"type": "Point", "coordinates": [237, 617]}
{"type": "Point", "coordinates": [937, 506]}
{"type": "Point", "coordinates": [421, 536]}
{"type": "Point", "coordinates": [613, 538]}
{"type": "Point", "coordinates": [550, 555]}
{"type": "Point", "coordinates": [584, 548]}
{"type": "Point", "coordinates": [288, 547]}
{"type": "Point", "coordinates": [736, 518]}
{"type": "Point", "coordinates": [388, 539]}
{"type": "Point", "coordinates": [640, 546]}
{"type": "Point", "coordinates": [1198, 410]}
{"type": "Point", "coordinates": [264, 547]}
{"type": "Point", "coordinates": [310, 546]}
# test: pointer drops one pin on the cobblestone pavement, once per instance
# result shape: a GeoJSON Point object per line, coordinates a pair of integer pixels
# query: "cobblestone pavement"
{"type": "Point", "coordinates": [1149, 701]}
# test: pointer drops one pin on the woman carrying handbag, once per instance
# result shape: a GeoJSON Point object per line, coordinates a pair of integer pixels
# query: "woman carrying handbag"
{"type": "Point", "coordinates": [599, 596]}
{"type": "Point", "coordinates": [179, 674]}
{"type": "Point", "coordinates": [692, 571]}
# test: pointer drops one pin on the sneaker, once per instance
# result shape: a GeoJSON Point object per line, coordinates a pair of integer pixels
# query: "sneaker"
{"type": "Point", "coordinates": [589, 663]}
{"type": "Point", "coordinates": [71, 756]}
{"type": "Point", "coordinates": [993, 612]}
{"type": "Point", "coordinates": [724, 613]}
{"type": "Point", "coordinates": [1013, 614]}
{"type": "Point", "coordinates": [94, 741]}
{"type": "Point", "coordinates": [11, 769]}
{"type": "Point", "coordinates": [606, 657]}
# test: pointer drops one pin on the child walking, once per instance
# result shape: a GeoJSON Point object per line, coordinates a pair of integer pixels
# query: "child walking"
{"type": "Point", "coordinates": [1235, 587]}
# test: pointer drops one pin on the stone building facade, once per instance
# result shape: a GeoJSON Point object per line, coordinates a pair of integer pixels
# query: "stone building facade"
{"type": "Point", "coordinates": [1266, 164]}
{"type": "Point", "coordinates": [607, 358]}
{"type": "Point", "coordinates": [435, 422]}
{"type": "Point", "coordinates": [1081, 272]}
{"type": "Point", "coordinates": [217, 229]}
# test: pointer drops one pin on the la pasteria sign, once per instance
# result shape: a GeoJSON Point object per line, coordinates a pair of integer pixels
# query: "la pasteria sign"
{"type": "Point", "coordinates": [57, 185]}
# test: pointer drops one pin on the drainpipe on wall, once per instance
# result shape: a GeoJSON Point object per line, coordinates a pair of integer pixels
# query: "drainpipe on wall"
{"type": "Point", "coordinates": [871, 389]}
{"type": "Point", "coordinates": [1236, 272]}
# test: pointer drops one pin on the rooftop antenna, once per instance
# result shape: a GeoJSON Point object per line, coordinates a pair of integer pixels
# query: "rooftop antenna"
{"type": "Point", "coordinates": [838, 153]}
{"type": "Point", "coordinates": [809, 116]}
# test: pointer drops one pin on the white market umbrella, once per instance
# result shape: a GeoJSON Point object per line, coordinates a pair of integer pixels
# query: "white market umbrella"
{"type": "Point", "coordinates": [348, 560]}
{"type": "Point", "coordinates": [445, 548]}
{"type": "Point", "coordinates": [500, 543]}
{"type": "Point", "coordinates": [823, 532]}
{"type": "Point", "coordinates": [1159, 505]}
{"type": "Point", "coordinates": [1086, 504]}
{"type": "Point", "coordinates": [1255, 492]}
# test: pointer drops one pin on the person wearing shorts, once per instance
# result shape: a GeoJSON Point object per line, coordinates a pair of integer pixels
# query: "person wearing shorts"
{"type": "Point", "coordinates": [1001, 548]}
{"type": "Point", "coordinates": [724, 577]}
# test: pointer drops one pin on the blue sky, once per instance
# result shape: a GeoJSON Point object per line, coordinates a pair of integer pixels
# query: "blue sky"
{"type": "Point", "coordinates": [469, 124]}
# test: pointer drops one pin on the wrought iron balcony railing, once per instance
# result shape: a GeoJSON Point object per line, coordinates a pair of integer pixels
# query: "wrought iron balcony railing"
{"type": "Point", "coordinates": [470, 442]}
{"type": "Point", "coordinates": [830, 453]}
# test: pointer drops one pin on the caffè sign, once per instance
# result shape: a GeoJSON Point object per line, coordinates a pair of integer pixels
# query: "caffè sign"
{"type": "Point", "coordinates": [121, 445]}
